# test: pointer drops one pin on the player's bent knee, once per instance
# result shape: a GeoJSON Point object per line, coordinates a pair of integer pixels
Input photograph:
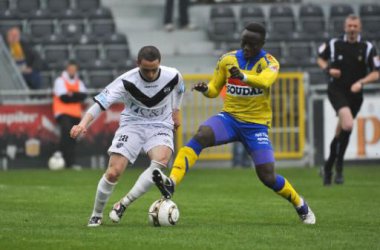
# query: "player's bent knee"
{"type": "Point", "coordinates": [348, 126]}
{"type": "Point", "coordinates": [205, 136]}
{"type": "Point", "coordinates": [266, 174]}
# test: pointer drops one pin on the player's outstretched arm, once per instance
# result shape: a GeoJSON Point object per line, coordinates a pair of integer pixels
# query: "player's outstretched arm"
{"type": "Point", "coordinates": [81, 129]}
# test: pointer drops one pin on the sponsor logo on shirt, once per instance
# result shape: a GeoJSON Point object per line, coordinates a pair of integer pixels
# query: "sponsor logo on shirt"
{"type": "Point", "coordinates": [238, 88]}
{"type": "Point", "coordinates": [147, 113]}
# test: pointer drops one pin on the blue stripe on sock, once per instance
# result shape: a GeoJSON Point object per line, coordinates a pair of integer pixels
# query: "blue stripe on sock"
{"type": "Point", "coordinates": [187, 164]}
{"type": "Point", "coordinates": [280, 183]}
{"type": "Point", "coordinates": [195, 145]}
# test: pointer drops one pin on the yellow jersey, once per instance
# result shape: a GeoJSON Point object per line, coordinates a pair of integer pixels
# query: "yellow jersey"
{"type": "Point", "coordinates": [247, 100]}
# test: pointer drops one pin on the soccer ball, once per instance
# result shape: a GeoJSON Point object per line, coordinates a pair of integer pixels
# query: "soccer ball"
{"type": "Point", "coordinates": [56, 162]}
{"type": "Point", "coordinates": [163, 212]}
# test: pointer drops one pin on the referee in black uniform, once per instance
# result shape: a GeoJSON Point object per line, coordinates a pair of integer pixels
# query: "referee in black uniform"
{"type": "Point", "coordinates": [350, 63]}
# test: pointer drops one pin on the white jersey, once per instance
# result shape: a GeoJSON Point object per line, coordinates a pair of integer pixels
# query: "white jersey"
{"type": "Point", "coordinates": [145, 102]}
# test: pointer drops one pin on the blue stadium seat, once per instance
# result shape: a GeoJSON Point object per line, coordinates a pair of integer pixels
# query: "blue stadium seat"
{"type": "Point", "coordinates": [222, 24]}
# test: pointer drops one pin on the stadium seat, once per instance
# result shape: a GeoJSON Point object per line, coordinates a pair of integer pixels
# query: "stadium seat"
{"type": "Point", "coordinates": [86, 55]}
{"type": "Point", "coordinates": [56, 57]}
{"type": "Point", "coordinates": [276, 50]}
{"type": "Point", "coordinates": [58, 8]}
{"type": "Point", "coordinates": [317, 76]}
{"type": "Point", "coordinates": [117, 55]}
{"type": "Point", "coordinates": [222, 24]}
{"type": "Point", "coordinates": [338, 13]}
{"type": "Point", "coordinates": [7, 14]}
{"type": "Point", "coordinates": [99, 78]}
{"type": "Point", "coordinates": [251, 13]}
{"type": "Point", "coordinates": [72, 30]}
{"type": "Point", "coordinates": [116, 38]}
{"type": "Point", "coordinates": [370, 17]}
{"type": "Point", "coordinates": [4, 4]}
{"type": "Point", "coordinates": [282, 22]}
{"type": "Point", "coordinates": [7, 24]}
{"type": "Point", "coordinates": [28, 8]}
{"type": "Point", "coordinates": [102, 29]}
{"type": "Point", "coordinates": [300, 54]}
{"type": "Point", "coordinates": [41, 30]}
{"type": "Point", "coordinates": [100, 13]}
{"type": "Point", "coordinates": [312, 23]}
{"type": "Point", "coordinates": [47, 79]}
{"type": "Point", "coordinates": [87, 6]}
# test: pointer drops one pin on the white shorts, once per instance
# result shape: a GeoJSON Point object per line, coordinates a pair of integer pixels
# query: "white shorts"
{"type": "Point", "coordinates": [130, 139]}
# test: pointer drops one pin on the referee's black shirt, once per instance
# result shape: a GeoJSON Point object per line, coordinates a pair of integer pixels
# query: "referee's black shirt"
{"type": "Point", "coordinates": [355, 61]}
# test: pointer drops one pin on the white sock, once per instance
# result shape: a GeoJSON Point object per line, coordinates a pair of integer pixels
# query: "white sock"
{"type": "Point", "coordinates": [103, 192]}
{"type": "Point", "coordinates": [143, 184]}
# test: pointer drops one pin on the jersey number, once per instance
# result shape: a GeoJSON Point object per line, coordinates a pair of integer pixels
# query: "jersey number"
{"type": "Point", "coordinates": [123, 138]}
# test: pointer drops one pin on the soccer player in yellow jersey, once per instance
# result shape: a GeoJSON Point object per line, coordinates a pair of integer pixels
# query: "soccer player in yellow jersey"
{"type": "Point", "coordinates": [246, 116]}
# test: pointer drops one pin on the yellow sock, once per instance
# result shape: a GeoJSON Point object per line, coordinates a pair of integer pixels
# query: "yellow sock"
{"type": "Point", "coordinates": [289, 193]}
{"type": "Point", "coordinates": [185, 160]}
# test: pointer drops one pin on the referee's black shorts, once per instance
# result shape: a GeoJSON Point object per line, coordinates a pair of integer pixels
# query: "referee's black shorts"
{"type": "Point", "coordinates": [340, 99]}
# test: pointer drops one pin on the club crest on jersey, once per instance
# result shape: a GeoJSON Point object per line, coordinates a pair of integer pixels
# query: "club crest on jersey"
{"type": "Point", "coordinates": [259, 69]}
{"type": "Point", "coordinates": [167, 90]}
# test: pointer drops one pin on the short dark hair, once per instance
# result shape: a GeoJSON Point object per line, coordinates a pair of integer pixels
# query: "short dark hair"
{"type": "Point", "coordinates": [256, 27]}
{"type": "Point", "coordinates": [149, 53]}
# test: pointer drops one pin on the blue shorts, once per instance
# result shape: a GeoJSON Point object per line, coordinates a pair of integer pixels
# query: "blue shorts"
{"type": "Point", "coordinates": [253, 136]}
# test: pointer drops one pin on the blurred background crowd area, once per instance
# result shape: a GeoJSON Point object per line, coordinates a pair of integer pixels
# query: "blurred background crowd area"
{"type": "Point", "coordinates": [104, 36]}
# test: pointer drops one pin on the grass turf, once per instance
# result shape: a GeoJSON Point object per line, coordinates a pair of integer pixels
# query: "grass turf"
{"type": "Point", "coordinates": [220, 209]}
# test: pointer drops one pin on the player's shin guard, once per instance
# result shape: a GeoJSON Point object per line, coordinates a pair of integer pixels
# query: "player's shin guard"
{"type": "Point", "coordinates": [185, 160]}
{"type": "Point", "coordinates": [286, 190]}
{"type": "Point", "coordinates": [143, 184]}
{"type": "Point", "coordinates": [103, 193]}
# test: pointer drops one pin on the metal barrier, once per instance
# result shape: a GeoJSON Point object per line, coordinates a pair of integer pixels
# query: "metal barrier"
{"type": "Point", "coordinates": [288, 126]}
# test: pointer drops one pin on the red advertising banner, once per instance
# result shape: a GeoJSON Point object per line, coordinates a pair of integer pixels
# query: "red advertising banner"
{"type": "Point", "coordinates": [30, 132]}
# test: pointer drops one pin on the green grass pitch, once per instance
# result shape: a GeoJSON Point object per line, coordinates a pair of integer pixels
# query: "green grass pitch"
{"type": "Point", "coordinates": [220, 209]}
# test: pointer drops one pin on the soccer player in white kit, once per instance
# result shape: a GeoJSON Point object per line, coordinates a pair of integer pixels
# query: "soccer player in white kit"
{"type": "Point", "coordinates": [152, 95]}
